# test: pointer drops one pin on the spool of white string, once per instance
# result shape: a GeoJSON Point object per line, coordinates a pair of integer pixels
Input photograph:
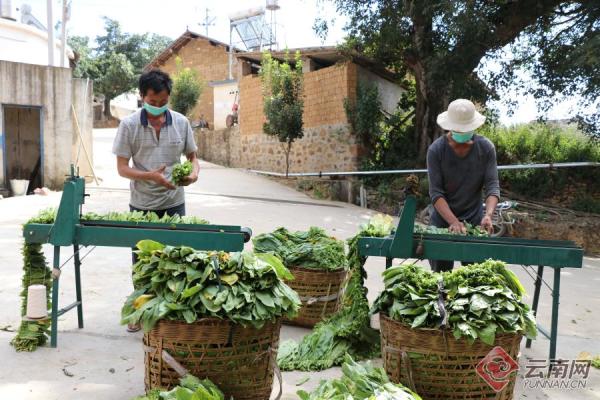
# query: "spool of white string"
{"type": "Point", "coordinates": [36, 302]}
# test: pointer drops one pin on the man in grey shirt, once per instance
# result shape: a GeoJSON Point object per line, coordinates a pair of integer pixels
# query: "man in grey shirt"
{"type": "Point", "coordinates": [154, 139]}
{"type": "Point", "coordinates": [460, 166]}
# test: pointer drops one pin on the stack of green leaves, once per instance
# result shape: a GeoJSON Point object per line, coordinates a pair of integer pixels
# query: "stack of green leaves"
{"type": "Point", "coordinates": [180, 283]}
{"type": "Point", "coordinates": [32, 334]}
{"type": "Point", "coordinates": [482, 300]}
{"type": "Point", "coordinates": [349, 330]}
{"type": "Point", "coordinates": [313, 249]}
{"type": "Point", "coordinates": [190, 388]}
{"type": "Point", "coordinates": [181, 171]}
{"type": "Point", "coordinates": [359, 382]}
{"type": "Point", "coordinates": [472, 230]}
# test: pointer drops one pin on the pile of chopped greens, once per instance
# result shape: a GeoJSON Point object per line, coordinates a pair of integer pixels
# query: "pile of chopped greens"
{"type": "Point", "coordinates": [180, 283]}
{"type": "Point", "coordinates": [190, 388]}
{"type": "Point", "coordinates": [349, 330]}
{"type": "Point", "coordinates": [32, 334]}
{"type": "Point", "coordinates": [481, 300]}
{"type": "Point", "coordinates": [181, 171]}
{"type": "Point", "coordinates": [312, 249]}
{"type": "Point", "coordinates": [472, 230]}
{"type": "Point", "coordinates": [359, 382]}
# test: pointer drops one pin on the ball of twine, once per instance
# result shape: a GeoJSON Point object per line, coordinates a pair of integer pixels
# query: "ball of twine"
{"type": "Point", "coordinates": [36, 302]}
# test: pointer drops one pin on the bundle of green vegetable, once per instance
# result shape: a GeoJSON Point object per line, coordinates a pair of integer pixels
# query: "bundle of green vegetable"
{"type": "Point", "coordinates": [359, 382]}
{"type": "Point", "coordinates": [32, 334]}
{"type": "Point", "coordinates": [180, 283]}
{"type": "Point", "coordinates": [312, 249]}
{"type": "Point", "coordinates": [349, 330]}
{"type": "Point", "coordinates": [190, 388]}
{"type": "Point", "coordinates": [181, 171]}
{"type": "Point", "coordinates": [472, 230]}
{"type": "Point", "coordinates": [481, 300]}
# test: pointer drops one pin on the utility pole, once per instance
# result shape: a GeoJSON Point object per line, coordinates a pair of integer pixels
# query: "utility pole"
{"type": "Point", "coordinates": [63, 30]}
{"type": "Point", "coordinates": [50, 30]}
{"type": "Point", "coordinates": [208, 21]}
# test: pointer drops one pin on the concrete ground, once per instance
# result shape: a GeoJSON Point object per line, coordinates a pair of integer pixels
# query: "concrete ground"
{"type": "Point", "coordinates": [103, 361]}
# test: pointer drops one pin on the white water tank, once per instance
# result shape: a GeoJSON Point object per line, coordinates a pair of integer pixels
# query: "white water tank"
{"type": "Point", "coordinates": [6, 9]}
{"type": "Point", "coordinates": [273, 5]}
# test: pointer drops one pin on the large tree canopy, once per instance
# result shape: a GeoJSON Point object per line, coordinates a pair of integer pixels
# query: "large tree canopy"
{"type": "Point", "coordinates": [117, 59]}
{"type": "Point", "coordinates": [441, 43]}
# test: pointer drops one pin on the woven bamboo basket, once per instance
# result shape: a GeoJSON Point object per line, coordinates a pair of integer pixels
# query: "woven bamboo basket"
{"type": "Point", "coordinates": [320, 293]}
{"type": "Point", "coordinates": [438, 366]}
{"type": "Point", "coordinates": [240, 361]}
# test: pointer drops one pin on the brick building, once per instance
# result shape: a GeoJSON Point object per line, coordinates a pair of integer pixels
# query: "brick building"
{"type": "Point", "coordinates": [329, 79]}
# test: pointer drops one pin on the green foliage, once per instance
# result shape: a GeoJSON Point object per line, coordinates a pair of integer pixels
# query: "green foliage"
{"type": "Point", "coordinates": [181, 171]}
{"type": "Point", "coordinates": [187, 89]}
{"type": "Point", "coordinates": [313, 249]}
{"type": "Point", "coordinates": [349, 330]}
{"type": "Point", "coordinates": [180, 283]}
{"type": "Point", "coordinates": [365, 115]}
{"type": "Point", "coordinates": [190, 388]}
{"type": "Point", "coordinates": [282, 86]}
{"type": "Point", "coordinates": [481, 301]}
{"type": "Point", "coordinates": [117, 59]}
{"type": "Point", "coordinates": [545, 143]}
{"type": "Point", "coordinates": [359, 382]}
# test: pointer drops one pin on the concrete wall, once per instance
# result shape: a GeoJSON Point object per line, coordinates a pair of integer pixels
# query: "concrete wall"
{"type": "Point", "coordinates": [211, 62]}
{"type": "Point", "coordinates": [389, 92]}
{"type": "Point", "coordinates": [224, 97]}
{"type": "Point", "coordinates": [52, 90]}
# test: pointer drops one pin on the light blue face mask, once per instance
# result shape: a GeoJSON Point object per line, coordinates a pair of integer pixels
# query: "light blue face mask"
{"type": "Point", "coordinates": [156, 111]}
{"type": "Point", "coordinates": [462, 137]}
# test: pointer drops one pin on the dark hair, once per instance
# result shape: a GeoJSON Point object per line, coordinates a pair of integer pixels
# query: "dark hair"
{"type": "Point", "coordinates": [156, 80]}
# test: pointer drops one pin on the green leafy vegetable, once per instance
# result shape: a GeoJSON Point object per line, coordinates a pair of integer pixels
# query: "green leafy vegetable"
{"type": "Point", "coordinates": [359, 382]}
{"type": "Point", "coordinates": [181, 171]}
{"type": "Point", "coordinates": [472, 230]}
{"type": "Point", "coordinates": [349, 330]}
{"type": "Point", "coordinates": [312, 249]}
{"type": "Point", "coordinates": [190, 388]}
{"type": "Point", "coordinates": [482, 300]}
{"type": "Point", "coordinates": [180, 283]}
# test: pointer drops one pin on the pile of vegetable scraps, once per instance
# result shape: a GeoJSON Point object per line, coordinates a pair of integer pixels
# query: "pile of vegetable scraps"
{"type": "Point", "coordinates": [313, 249]}
{"type": "Point", "coordinates": [180, 283]}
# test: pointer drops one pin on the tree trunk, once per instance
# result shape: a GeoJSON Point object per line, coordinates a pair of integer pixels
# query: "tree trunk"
{"type": "Point", "coordinates": [287, 158]}
{"type": "Point", "coordinates": [107, 113]}
{"type": "Point", "coordinates": [431, 101]}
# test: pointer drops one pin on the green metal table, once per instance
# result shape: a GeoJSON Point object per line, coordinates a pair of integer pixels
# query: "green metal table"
{"type": "Point", "coordinates": [405, 244]}
{"type": "Point", "coordinates": [70, 230]}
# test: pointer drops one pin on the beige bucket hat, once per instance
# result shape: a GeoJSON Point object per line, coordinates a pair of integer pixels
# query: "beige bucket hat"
{"type": "Point", "coordinates": [460, 117]}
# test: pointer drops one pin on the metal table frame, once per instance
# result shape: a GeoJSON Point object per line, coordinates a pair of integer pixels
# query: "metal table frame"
{"type": "Point", "coordinates": [405, 244]}
{"type": "Point", "coordinates": [69, 230]}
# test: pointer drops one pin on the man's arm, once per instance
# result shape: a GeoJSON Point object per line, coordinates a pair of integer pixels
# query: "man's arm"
{"type": "Point", "coordinates": [492, 190]}
{"type": "Point", "coordinates": [436, 193]}
{"type": "Point", "coordinates": [155, 176]}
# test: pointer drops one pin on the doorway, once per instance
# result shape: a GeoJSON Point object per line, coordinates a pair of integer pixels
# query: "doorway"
{"type": "Point", "coordinates": [22, 145]}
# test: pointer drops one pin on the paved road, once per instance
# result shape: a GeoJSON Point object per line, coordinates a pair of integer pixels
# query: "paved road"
{"type": "Point", "coordinates": [224, 196]}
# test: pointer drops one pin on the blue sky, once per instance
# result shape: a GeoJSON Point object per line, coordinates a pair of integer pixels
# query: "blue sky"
{"type": "Point", "coordinates": [294, 20]}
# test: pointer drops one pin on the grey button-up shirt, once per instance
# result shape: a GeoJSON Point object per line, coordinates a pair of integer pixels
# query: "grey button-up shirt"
{"type": "Point", "coordinates": [137, 140]}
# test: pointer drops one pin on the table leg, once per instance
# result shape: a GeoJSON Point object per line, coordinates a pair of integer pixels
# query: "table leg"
{"type": "Point", "coordinates": [536, 296]}
{"type": "Point", "coordinates": [78, 286]}
{"type": "Point", "coordinates": [55, 279]}
{"type": "Point", "coordinates": [388, 262]}
{"type": "Point", "coordinates": [555, 303]}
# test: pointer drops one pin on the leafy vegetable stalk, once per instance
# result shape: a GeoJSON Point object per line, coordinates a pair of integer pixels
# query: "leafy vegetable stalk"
{"type": "Point", "coordinates": [359, 382]}
{"type": "Point", "coordinates": [349, 330]}
{"type": "Point", "coordinates": [181, 171]}
{"type": "Point", "coordinates": [190, 388]}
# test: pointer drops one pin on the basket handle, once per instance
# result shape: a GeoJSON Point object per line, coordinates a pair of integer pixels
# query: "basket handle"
{"type": "Point", "coordinates": [403, 358]}
{"type": "Point", "coordinates": [173, 363]}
